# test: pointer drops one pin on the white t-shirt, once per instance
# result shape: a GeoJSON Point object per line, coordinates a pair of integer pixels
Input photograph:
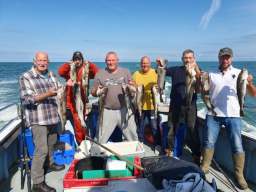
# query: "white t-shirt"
{"type": "Point", "coordinates": [223, 93]}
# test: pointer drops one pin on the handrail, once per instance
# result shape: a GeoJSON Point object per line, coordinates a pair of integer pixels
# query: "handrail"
{"type": "Point", "coordinates": [5, 107]}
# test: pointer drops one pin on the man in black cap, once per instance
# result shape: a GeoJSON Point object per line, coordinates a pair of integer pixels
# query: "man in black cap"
{"type": "Point", "coordinates": [223, 96]}
{"type": "Point", "coordinates": [77, 73]}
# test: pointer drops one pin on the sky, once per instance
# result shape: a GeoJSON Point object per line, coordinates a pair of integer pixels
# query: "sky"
{"type": "Point", "coordinates": [132, 28]}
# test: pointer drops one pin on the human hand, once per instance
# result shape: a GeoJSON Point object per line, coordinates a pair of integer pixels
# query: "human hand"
{"type": "Point", "coordinates": [101, 90]}
{"type": "Point", "coordinates": [250, 79]}
{"type": "Point", "coordinates": [160, 61]}
{"type": "Point", "coordinates": [70, 83]}
{"type": "Point", "coordinates": [52, 92]}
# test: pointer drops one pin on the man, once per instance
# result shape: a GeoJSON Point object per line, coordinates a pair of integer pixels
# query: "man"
{"type": "Point", "coordinates": [114, 109]}
{"type": "Point", "coordinates": [251, 87]}
{"type": "Point", "coordinates": [38, 90]}
{"type": "Point", "coordinates": [148, 78]}
{"type": "Point", "coordinates": [77, 89]}
{"type": "Point", "coordinates": [223, 96]}
{"type": "Point", "coordinates": [183, 117]}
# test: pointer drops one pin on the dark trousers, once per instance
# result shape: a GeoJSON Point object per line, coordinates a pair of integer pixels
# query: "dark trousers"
{"type": "Point", "coordinates": [147, 115]}
{"type": "Point", "coordinates": [44, 137]}
{"type": "Point", "coordinates": [185, 119]}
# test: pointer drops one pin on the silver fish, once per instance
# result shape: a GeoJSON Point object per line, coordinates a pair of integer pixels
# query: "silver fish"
{"type": "Point", "coordinates": [79, 106]}
{"type": "Point", "coordinates": [139, 97]}
{"type": "Point", "coordinates": [85, 79]}
{"type": "Point", "coordinates": [72, 74]}
{"type": "Point", "coordinates": [205, 94]}
{"type": "Point", "coordinates": [161, 73]}
{"type": "Point", "coordinates": [190, 84]}
{"type": "Point", "coordinates": [128, 97]}
{"type": "Point", "coordinates": [156, 98]}
{"type": "Point", "coordinates": [61, 103]}
{"type": "Point", "coordinates": [102, 97]}
{"type": "Point", "coordinates": [241, 88]}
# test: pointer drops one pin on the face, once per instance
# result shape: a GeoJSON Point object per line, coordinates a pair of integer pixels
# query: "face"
{"type": "Point", "coordinates": [188, 58]}
{"type": "Point", "coordinates": [145, 64]}
{"type": "Point", "coordinates": [78, 62]}
{"type": "Point", "coordinates": [112, 62]}
{"type": "Point", "coordinates": [41, 62]}
{"type": "Point", "coordinates": [224, 62]}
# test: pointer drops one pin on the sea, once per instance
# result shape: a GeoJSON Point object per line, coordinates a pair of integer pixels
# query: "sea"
{"type": "Point", "coordinates": [11, 71]}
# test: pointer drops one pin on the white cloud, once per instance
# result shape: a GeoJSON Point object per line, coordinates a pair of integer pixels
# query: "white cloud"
{"type": "Point", "coordinates": [210, 13]}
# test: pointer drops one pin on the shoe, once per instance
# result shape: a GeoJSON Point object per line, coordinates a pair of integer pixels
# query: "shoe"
{"type": "Point", "coordinates": [55, 167]}
{"type": "Point", "coordinates": [42, 187]}
{"type": "Point", "coordinates": [238, 160]}
{"type": "Point", "coordinates": [207, 160]}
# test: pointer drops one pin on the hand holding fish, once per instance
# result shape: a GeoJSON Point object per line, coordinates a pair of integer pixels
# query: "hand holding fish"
{"type": "Point", "coordinates": [52, 92]}
{"type": "Point", "coordinates": [250, 79]}
{"type": "Point", "coordinates": [101, 90]}
{"type": "Point", "coordinates": [161, 62]}
{"type": "Point", "coordinates": [70, 83]}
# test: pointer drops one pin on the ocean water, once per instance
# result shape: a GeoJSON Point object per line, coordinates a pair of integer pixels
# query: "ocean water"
{"type": "Point", "coordinates": [10, 72]}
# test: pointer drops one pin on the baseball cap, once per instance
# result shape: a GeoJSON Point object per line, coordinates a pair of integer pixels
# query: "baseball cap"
{"type": "Point", "coordinates": [77, 55]}
{"type": "Point", "coordinates": [226, 51]}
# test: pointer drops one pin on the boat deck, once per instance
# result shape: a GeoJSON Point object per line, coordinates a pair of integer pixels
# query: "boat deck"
{"type": "Point", "coordinates": [56, 178]}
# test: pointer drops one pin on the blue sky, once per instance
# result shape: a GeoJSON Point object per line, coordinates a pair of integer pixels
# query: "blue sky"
{"type": "Point", "coordinates": [132, 28]}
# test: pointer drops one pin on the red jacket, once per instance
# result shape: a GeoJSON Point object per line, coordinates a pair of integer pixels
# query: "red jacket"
{"type": "Point", "coordinates": [64, 71]}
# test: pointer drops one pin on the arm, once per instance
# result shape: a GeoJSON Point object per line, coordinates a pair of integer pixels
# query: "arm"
{"type": "Point", "coordinates": [250, 87]}
{"type": "Point", "coordinates": [93, 69]}
{"type": "Point", "coordinates": [28, 95]}
{"type": "Point", "coordinates": [96, 84]}
{"type": "Point", "coordinates": [64, 71]}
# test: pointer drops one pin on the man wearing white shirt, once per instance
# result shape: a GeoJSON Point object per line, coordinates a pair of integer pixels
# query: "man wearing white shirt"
{"type": "Point", "coordinates": [223, 95]}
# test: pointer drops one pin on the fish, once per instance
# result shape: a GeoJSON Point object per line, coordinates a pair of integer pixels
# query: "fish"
{"type": "Point", "coordinates": [139, 97]}
{"type": "Point", "coordinates": [102, 97]}
{"type": "Point", "coordinates": [128, 91]}
{"type": "Point", "coordinates": [72, 74]}
{"type": "Point", "coordinates": [190, 84]}
{"type": "Point", "coordinates": [85, 79]}
{"type": "Point", "coordinates": [205, 92]}
{"type": "Point", "coordinates": [156, 98]}
{"type": "Point", "coordinates": [79, 106]}
{"type": "Point", "coordinates": [161, 73]}
{"type": "Point", "coordinates": [61, 100]}
{"type": "Point", "coordinates": [61, 104]}
{"type": "Point", "coordinates": [241, 88]}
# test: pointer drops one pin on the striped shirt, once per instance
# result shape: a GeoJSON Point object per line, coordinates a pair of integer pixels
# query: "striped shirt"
{"type": "Point", "coordinates": [38, 113]}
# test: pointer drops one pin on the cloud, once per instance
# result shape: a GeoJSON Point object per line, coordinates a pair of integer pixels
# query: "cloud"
{"type": "Point", "coordinates": [210, 13]}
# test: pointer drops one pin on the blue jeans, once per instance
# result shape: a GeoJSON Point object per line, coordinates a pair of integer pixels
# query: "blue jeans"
{"type": "Point", "coordinates": [147, 115]}
{"type": "Point", "coordinates": [233, 129]}
{"type": "Point", "coordinates": [179, 140]}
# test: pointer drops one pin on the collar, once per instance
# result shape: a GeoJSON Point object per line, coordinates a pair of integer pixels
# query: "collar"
{"type": "Point", "coordinates": [36, 74]}
{"type": "Point", "coordinates": [227, 71]}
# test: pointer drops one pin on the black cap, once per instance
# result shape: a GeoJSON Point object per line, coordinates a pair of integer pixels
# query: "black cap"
{"type": "Point", "coordinates": [77, 55]}
{"type": "Point", "coordinates": [226, 51]}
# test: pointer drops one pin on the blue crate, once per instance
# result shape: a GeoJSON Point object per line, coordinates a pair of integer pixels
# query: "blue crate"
{"type": "Point", "coordinates": [29, 142]}
{"type": "Point", "coordinates": [67, 156]}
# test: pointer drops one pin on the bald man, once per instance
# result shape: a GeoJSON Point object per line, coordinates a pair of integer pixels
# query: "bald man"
{"type": "Point", "coordinates": [38, 88]}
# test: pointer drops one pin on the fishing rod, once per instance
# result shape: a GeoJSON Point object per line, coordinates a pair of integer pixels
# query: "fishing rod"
{"type": "Point", "coordinates": [25, 159]}
{"type": "Point", "coordinates": [116, 154]}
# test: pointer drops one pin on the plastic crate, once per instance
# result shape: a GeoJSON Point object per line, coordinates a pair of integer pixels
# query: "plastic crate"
{"type": "Point", "coordinates": [92, 174]}
{"type": "Point", "coordinates": [67, 156]}
{"type": "Point", "coordinates": [70, 180]}
{"type": "Point", "coordinates": [29, 142]}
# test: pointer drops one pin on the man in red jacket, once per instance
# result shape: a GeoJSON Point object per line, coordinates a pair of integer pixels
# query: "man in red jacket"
{"type": "Point", "coordinates": [77, 74]}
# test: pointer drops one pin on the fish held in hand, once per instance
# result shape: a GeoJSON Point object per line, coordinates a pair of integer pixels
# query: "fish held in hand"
{"type": "Point", "coordinates": [241, 88]}
{"type": "Point", "coordinates": [190, 84]}
{"type": "Point", "coordinates": [161, 73]}
{"type": "Point", "coordinates": [61, 104]}
{"type": "Point", "coordinates": [205, 92]}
